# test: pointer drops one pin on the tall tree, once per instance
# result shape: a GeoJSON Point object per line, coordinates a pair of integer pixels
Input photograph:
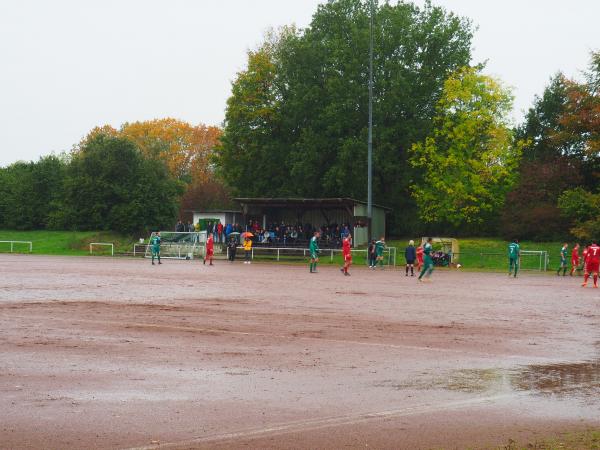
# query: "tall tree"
{"type": "Point", "coordinates": [581, 209]}
{"type": "Point", "coordinates": [296, 122]}
{"type": "Point", "coordinates": [185, 149]}
{"type": "Point", "coordinates": [542, 122]}
{"type": "Point", "coordinates": [111, 185]}
{"type": "Point", "coordinates": [469, 161]}
{"type": "Point", "coordinates": [29, 192]}
{"type": "Point", "coordinates": [250, 156]}
{"type": "Point", "coordinates": [580, 122]}
{"type": "Point", "coordinates": [530, 210]}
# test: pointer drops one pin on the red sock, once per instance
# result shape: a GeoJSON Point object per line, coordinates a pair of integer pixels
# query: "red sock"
{"type": "Point", "coordinates": [586, 277]}
{"type": "Point", "coordinates": [596, 279]}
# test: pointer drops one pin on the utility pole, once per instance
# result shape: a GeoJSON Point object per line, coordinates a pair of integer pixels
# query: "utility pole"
{"type": "Point", "coordinates": [370, 139]}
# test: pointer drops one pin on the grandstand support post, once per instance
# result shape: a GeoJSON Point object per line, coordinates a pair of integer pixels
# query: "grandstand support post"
{"type": "Point", "coordinates": [370, 138]}
{"type": "Point", "coordinates": [331, 255]}
{"type": "Point", "coordinates": [277, 254]}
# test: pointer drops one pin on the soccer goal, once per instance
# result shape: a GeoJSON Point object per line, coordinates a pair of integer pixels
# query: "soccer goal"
{"type": "Point", "coordinates": [19, 245]}
{"type": "Point", "coordinates": [102, 244]}
{"type": "Point", "coordinates": [175, 245]}
{"type": "Point", "coordinates": [534, 260]}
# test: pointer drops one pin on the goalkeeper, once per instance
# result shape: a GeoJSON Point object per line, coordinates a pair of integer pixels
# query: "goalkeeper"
{"type": "Point", "coordinates": [155, 244]}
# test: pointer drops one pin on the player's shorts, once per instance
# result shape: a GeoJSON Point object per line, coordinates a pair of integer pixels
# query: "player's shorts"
{"type": "Point", "coordinates": [563, 263]}
{"type": "Point", "coordinates": [314, 256]}
{"type": "Point", "coordinates": [592, 266]}
{"type": "Point", "coordinates": [420, 261]}
{"type": "Point", "coordinates": [574, 262]}
{"type": "Point", "coordinates": [155, 250]}
{"type": "Point", "coordinates": [410, 261]}
{"type": "Point", "coordinates": [348, 257]}
{"type": "Point", "coordinates": [210, 253]}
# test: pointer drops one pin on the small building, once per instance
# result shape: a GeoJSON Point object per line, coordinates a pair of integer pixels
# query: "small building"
{"type": "Point", "coordinates": [218, 215]}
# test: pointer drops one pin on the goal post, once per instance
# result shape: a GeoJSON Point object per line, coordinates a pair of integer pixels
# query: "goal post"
{"type": "Point", "coordinates": [102, 244]}
{"type": "Point", "coordinates": [178, 245]}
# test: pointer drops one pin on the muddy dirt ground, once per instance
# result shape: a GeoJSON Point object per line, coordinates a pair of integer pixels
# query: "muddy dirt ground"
{"type": "Point", "coordinates": [116, 353]}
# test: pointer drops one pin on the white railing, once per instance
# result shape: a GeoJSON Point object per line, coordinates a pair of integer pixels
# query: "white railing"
{"type": "Point", "coordinates": [106, 244]}
{"type": "Point", "coordinates": [279, 251]}
{"type": "Point", "coordinates": [12, 243]}
{"type": "Point", "coordinates": [136, 251]}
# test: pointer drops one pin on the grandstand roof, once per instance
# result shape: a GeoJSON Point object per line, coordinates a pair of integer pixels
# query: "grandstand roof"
{"type": "Point", "coordinates": [307, 203]}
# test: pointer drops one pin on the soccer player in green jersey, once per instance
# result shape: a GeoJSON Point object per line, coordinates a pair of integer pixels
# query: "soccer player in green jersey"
{"type": "Point", "coordinates": [155, 243]}
{"type": "Point", "coordinates": [427, 261]}
{"type": "Point", "coordinates": [564, 252]}
{"type": "Point", "coordinates": [514, 253]}
{"type": "Point", "coordinates": [379, 248]}
{"type": "Point", "coordinates": [313, 248]}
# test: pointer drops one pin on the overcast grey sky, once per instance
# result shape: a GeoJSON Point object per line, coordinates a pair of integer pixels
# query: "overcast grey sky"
{"type": "Point", "coordinates": [69, 65]}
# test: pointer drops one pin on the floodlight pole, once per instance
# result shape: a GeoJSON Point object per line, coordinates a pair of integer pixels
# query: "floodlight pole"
{"type": "Point", "coordinates": [370, 139]}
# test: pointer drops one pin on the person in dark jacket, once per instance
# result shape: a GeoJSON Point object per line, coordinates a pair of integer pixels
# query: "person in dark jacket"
{"type": "Point", "coordinates": [411, 255]}
{"type": "Point", "coordinates": [372, 255]}
{"type": "Point", "coordinates": [180, 227]}
{"type": "Point", "coordinates": [231, 249]}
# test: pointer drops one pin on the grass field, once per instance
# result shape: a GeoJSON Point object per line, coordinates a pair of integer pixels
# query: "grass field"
{"type": "Point", "coordinates": [73, 243]}
{"type": "Point", "coordinates": [491, 253]}
{"type": "Point", "coordinates": [475, 253]}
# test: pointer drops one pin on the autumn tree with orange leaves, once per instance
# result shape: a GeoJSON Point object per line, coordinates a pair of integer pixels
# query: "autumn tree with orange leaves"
{"type": "Point", "coordinates": [186, 150]}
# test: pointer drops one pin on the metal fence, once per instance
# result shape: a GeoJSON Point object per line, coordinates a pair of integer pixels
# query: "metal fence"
{"type": "Point", "coordinates": [294, 254]}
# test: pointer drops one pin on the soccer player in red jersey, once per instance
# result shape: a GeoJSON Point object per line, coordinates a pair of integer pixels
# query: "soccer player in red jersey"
{"type": "Point", "coordinates": [210, 249]}
{"type": "Point", "coordinates": [419, 258]}
{"type": "Point", "coordinates": [347, 252]}
{"type": "Point", "coordinates": [592, 264]}
{"type": "Point", "coordinates": [584, 257]}
{"type": "Point", "coordinates": [574, 259]}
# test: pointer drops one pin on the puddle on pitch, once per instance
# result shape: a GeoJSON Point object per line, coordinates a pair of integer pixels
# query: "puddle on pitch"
{"type": "Point", "coordinates": [581, 379]}
{"type": "Point", "coordinates": [578, 380]}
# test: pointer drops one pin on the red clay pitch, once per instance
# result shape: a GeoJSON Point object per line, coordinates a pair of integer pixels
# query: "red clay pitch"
{"type": "Point", "coordinates": [116, 353]}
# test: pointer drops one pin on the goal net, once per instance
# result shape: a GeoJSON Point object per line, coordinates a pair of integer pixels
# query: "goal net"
{"type": "Point", "coordinates": [176, 245]}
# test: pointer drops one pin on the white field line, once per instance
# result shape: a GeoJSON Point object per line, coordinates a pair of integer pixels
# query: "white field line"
{"type": "Point", "coordinates": [326, 422]}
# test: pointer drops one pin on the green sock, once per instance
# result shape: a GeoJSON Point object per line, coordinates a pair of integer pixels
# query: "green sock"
{"type": "Point", "coordinates": [311, 266]}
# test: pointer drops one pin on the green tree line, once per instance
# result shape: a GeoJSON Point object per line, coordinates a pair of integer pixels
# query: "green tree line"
{"type": "Point", "coordinates": [108, 184]}
{"type": "Point", "coordinates": [447, 157]}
